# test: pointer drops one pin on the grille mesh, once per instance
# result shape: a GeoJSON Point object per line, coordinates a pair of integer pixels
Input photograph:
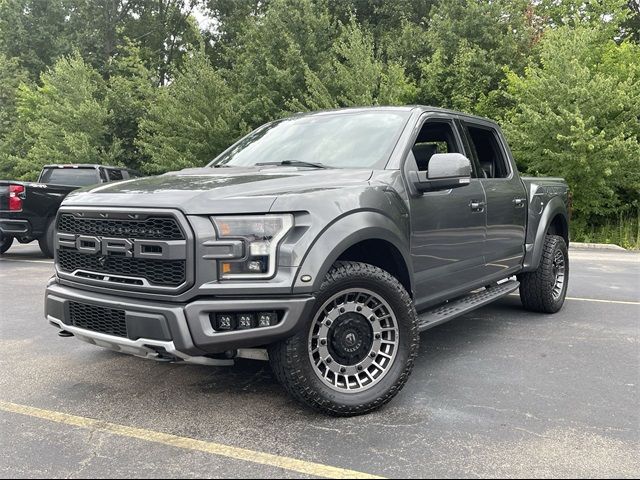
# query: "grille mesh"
{"type": "Point", "coordinates": [157, 272]}
{"type": "Point", "coordinates": [98, 319]}
{"type": "Point", "coordinates": [154, 228]}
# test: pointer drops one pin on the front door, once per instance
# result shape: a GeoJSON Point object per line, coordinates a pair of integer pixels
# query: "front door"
{"type": "Point", "coordinates": [447, 227]}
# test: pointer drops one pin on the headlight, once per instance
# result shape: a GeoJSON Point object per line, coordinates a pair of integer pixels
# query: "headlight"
{"type": "Point", "coordinates": [261, 235]}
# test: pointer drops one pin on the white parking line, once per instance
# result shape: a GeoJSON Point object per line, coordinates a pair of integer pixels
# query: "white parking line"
{"type": "Point", "coordinates": [597, 300]}
{"type": "Point", "coordinates": [261, 458]}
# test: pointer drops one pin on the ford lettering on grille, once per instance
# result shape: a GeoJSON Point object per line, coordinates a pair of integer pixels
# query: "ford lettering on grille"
{"type": "Point", "coordinates": [158, 249]}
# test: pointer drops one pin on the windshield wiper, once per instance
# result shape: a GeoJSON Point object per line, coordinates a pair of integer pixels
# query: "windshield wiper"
{"type": "Point", "coordinates": [293, 163]}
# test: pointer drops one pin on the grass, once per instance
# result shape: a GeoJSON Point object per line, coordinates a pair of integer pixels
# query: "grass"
{"type": "Point", "coordinates": [623, 231]}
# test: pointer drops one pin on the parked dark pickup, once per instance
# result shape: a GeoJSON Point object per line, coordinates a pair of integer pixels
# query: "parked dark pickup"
{"type": "Point", "coordinates": [27, 209]}
{"type": "Point", "coordinates": [328, 240]}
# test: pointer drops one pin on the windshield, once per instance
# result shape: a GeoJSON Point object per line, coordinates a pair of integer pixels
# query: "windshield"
{"type": "Point", "coordinates": [78, 177]}
{"type": "Point", "coordinates": [341, 140]}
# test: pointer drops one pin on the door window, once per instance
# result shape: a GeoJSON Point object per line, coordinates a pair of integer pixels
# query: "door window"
{"type": "Point", "coordinates": [114, 175]}
{"type": "Point", "coordinates": [488, 151]}
{"type": "Point", "coordinates": [435, 137]}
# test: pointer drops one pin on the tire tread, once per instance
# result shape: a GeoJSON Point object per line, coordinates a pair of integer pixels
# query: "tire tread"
{"type": "Point", "coordinates": [536, 286]}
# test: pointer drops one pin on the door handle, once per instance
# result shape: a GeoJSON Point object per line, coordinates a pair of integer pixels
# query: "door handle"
{"type": "Point", "coordinates": [477, 206]}
{"type": "Point", "coordinates": [519, 202]}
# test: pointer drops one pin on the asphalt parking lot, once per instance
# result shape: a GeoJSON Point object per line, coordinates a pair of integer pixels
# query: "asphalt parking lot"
{"type": "Point", "coordinates": [497, 393]}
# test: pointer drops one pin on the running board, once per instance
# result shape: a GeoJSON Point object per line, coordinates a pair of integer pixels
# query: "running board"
{"type": "Point", "coordinates": [450, 310]}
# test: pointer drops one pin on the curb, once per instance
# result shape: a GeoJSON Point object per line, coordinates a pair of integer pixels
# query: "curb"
{"type": "Point", "coordinates": [596, 246]}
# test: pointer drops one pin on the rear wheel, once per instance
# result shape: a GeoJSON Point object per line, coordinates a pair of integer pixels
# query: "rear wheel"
{"type": "Point", "coordinates": [357, 350]}
{"type": "Point", "coordinates": [545, 289]}
{"type": "Point", "coordinates": [5, 242]}
{"type": "Point", "coordinates": [46, 241]}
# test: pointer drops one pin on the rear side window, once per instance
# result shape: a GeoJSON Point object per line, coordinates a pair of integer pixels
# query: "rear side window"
{"type": "Point", "coordinates": [115, 175]}
{"type": "Point", "coordinates": [78, 177]}
{"type": "Point", "coordinates": [485, 145]}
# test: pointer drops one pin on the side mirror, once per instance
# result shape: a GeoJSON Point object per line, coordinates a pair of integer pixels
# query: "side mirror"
{"type": "Point", "coordinates": [446, 170]}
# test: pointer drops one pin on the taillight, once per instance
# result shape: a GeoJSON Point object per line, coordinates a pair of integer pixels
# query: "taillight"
{"type": "Point", "coordinates": [16, 194]}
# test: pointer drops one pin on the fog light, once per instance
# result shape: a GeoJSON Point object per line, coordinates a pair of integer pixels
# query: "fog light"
{"type": "Point", "coordinates": [234, 321]}
{"type": "Point", "coordinates": [225, 321]}
{"type": "Point", "coordinates": [246, 320]}
{"type": "Point", "coordinates": [267, 319]}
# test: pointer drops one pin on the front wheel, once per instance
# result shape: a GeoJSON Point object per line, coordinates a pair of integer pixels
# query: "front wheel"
{"type": "Point", "coordinates": [545, 289]}
{"type": "Point", "coordinates": [357, 350]}
{"type": "Point", "coordinates": [5, 242]}
{"type": "Point", "coordinates": [46, 241]}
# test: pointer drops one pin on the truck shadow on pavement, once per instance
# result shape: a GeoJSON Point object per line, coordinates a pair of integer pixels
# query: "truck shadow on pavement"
{"type": "Point", "coordinates": [249, 378]}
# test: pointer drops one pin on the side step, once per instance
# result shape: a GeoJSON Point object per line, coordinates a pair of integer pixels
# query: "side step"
{"type": "Point", "coordinates": [455, 308]}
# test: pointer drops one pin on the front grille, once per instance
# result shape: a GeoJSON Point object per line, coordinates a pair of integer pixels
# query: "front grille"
{"type": "Point", "coordinates": [153, 265]}
{"type": "Point", "coordinates": [152, 228]}
{"type": "Point", "coordinates": [98, 319]}
{"type": "Point", "coordinates": [158, 272]}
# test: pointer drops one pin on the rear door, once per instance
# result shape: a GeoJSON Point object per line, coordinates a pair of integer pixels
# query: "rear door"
{"type": "Point", "coordinates": [506, 210]}
{"type": "Point", "coordinates": [448, 226]}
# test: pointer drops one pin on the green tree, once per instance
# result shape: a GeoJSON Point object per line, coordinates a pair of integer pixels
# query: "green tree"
{"type": "Point", "coordinates": [166, 31]}
{"type": "Point", "coordinates": [37, 32]}
{"type": "Point", "coordinates": [353, 76]}
{"type": "Point", "coordinates": [62, 121]}
{"type": "Point", "coordinates": [576, 114]}
{"type": "Point", "coordinates": [470, 44]}
{"type": "Point", "coordinates": [11, 77]}
{"type": "Point", "coordinates": [275, 52]}
{"type": "Point", "coordinates": [191, 121]}
{"type": "Point", "coordinates": [130, 92]}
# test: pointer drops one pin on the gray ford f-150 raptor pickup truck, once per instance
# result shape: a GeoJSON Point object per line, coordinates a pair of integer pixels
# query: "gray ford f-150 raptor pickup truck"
{"type": "Point", "coordinates": [324, 242]}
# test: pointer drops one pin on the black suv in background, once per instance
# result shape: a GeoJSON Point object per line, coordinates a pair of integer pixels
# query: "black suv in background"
{"type": "Point", "coordinates": [28, 210]}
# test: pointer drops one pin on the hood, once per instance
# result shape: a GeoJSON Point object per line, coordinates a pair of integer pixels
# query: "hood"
{"type": "Point", "coordinates": [220, 190]}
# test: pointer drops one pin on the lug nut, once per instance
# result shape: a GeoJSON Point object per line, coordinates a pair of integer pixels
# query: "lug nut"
{"type": "Point", "coordinates": [372, 355]}
{"type": "Point", "coordinates": [328, 323]}
{"type": "Point", "coordinates": [342, 369]}
{"type": "Point", "coordinates": [359, 308]}
{"type": "Point", "coordinates": [372, 318]}
{"type": "Point", "coordinates": [359, 368]}
{"type": "Point", "coordinates": [329, 361]}
{"type": "Point", "coordinates": [342, 310]}
{"type": "Point", "coordinates": [323, 342]}
{"type": "Point", "coordinates": [378, 336]}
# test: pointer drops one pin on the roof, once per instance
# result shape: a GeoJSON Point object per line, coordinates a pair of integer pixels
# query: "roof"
{"type": "Point", "coordinates": [404, 108]}
{"type": "Point", "coordinates": [81, 165]}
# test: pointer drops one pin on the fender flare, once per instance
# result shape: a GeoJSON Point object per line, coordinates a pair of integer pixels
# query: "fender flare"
{"type": "Point", "coordinates": [345, 232]}
{"type": "Point", "coordinates": [534, 252]}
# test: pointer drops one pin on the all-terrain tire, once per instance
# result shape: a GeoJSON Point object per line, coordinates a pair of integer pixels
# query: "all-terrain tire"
{"type": "Point", "coordinates": [539, 290]}
{"type": "Point", "coordinates": [5, 243]}
{"type": "Point", "coordinates": [292, 364]}
{"type": "Point", "coordinates": [46, 241]}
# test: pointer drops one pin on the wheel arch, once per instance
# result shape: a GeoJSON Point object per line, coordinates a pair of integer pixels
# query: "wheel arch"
{"type": "Point", "coordinates": [364, 236]}
{"type": "Point", "coordinates": [553, 220]}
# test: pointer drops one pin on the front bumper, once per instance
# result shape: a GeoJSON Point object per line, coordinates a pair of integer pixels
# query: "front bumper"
{"type": "Point", "coordinates": [175, 331]}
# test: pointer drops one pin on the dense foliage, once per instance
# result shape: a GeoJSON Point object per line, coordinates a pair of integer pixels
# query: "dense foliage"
{"type": "Point", "coordinates": [159, 85]}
